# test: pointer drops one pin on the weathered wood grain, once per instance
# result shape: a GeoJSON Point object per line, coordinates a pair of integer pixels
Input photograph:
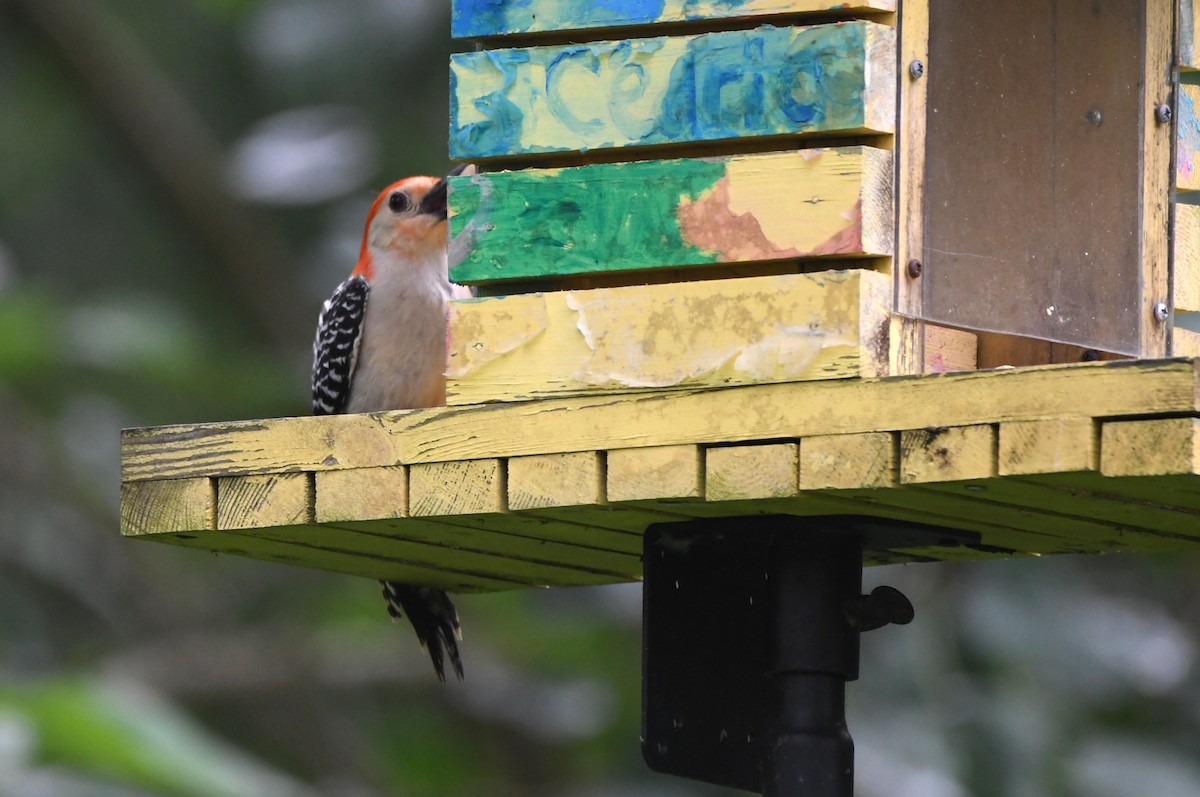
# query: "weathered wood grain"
{"type": "Point", "coordinates": [1049, 445]}
{"type": "Point", "coordinates": [827, 79]}
{"type": "Point", "coordinates": [276, 499]}
{"type": "Point", "coordinates": [1157, 86]}
{"type": "Point", "coordinates": [1160, 447]}
{"type": "Point", "coordinates": [168, 505]}
{"type": "Point", "coordinates": [907, 333]}
{"type": "Point", "coordinates": [661, 472]}
{"type": "Point", "coordinates": [360, 494]}
{"type": "Point", "coordinates": [945, 349]}
{"type": "Point", "coordinates": [935, 454]}
{"type": "Point", "coordinates": [456, 488]}
{"type": "Point", "coordinates": [1186, 265]}
{"type": "Point", "coordinates": [792, 327]}
{"type": "Point", "coordinates": [549, 480]}
{"type": "Point", "coordinates": [306, 547]}
{"type": "Point", "coordinates": [608, 217]}
{"type": "Point", "coordinates": [733, 473]}
{"type": "Point", "coordinates": [849, 461]}
{"type": "Point", "coordinates": [731, 415]}
{"type": "Point", "coordinates": [331, 442]}
{"type": "Point", "coordinates": [472, 19]}
{"type": "Point", "coordinates": [1185, 342]}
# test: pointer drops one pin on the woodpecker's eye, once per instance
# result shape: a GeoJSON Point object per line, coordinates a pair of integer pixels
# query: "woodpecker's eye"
{"type": "Point", "coordinates": [399, 202]}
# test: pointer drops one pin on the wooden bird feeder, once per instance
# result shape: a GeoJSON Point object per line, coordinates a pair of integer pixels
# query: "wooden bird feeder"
{"type": "Point", "coordinates": [728, 254]}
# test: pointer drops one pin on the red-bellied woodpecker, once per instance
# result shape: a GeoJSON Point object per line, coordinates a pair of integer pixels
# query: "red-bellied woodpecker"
{"type": "Point", "coordinates": [381, 345]}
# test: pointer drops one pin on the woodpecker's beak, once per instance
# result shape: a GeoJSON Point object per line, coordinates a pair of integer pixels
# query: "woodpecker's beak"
{"type": "Point", "coordinates": [434, 202]}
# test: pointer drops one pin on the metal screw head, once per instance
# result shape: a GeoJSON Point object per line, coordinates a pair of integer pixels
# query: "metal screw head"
{"type": "Point", "coordinates": [1161, 313]}
{"type": "Point", "coordinates": [1093, 116]}
{"type": "Point", "coordinates": [916, 69]}
{"type": "Point", "coordinates": [914, 268]}
{"type": "Point", "coordinates": [1162, 114]}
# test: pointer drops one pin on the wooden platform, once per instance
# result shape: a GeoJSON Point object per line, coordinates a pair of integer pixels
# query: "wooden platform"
{"type": "Point", "coordinates": [1093, 458]}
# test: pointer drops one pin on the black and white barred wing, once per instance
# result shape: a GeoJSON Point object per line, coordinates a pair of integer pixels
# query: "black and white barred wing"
{"type": "Point", "coordinates": [335, 350]}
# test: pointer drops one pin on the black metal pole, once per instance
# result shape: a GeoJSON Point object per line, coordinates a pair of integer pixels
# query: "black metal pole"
{"type": "Point", "coordinates": [816, 581]}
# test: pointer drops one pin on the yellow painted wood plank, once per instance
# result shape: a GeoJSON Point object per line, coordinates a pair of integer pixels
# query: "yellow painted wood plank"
{"type": "Point", "coordinates": [1150, 448]}
{"type": "Point", "coordinates": [1084, 521]}
{"type": "Point", "coordinates": [1157, 145]}
{"type": "Point", "coordinates": [456, 488]}
{"type": "Point", "coordinates": [1051, 445]}
{"type": "Point", "coordinates": [480, 551]}
{"type": "Point", "coordinates": [277, 499]}
{"type": "Point", "coordinates": [739, 414]}
{"type": "Point", "coordinates": [1185, 342]}
{"type": "Point", "coordinates": [1186, 266]}
{"type": "Point", "coordinates": [168, 505]}
{"type": "Point", "coordinates": [307, 548]}
{"type": "Point", "coordinates": [750, 472]}
{"type": "Point", "coordinates": [638, 474]}
{"type": "Point", "coordinates": [259, 446]}
{"type": "Point", "coordinates": [849, 461]}
{"type": "Point", "coordinates": [360, 494]}
{"type": "Point", "coordinates": [784, 328]}
{"type": "Point", "coordinates": [536, 528]}
{"type": "Point", "coordinates": [548, 480]}
{"type": "Point", "coordinates": [935, 454]}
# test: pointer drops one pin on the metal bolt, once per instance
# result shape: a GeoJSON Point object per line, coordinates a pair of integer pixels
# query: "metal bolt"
{"type": "Point", "coordinates": [1094, 117]}
{"type": "Point", "coordinates": [916, 69]}
{"type": "Point", "coordinates": [915, 268]}
{"type": "Point", "coordinates": [1162, 114]}
{"type": "Point", "coordinates": [1161, 313]}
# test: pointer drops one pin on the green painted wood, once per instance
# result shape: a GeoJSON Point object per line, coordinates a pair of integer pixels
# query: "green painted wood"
{"type": "Point", "coordinates": [610, 217]}
{"type": "Point", "coordinates": [473, 19]}
{"type": "Point", "coordinates": [828, 79]}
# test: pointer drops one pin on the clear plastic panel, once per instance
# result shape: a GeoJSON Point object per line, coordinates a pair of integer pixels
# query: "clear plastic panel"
{"type": "Point", "coordinates": [1033, 187]}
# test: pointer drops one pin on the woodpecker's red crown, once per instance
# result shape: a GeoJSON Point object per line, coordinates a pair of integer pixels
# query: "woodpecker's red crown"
{"type": "Point", "coordinates": [406, 221]}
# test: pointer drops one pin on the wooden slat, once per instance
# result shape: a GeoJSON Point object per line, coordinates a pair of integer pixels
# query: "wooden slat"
{"type": "Point", "coordinates": [250, 502]}
{"type": "Point", "coordinates": [1185, 342]}
{"type": "Point", "coordinates": [662, 472]}
{"type": "Point", "coordinates": [828, 325]}
{"type": "Point", "coordinates": [1052, 445]}
{"type": "Point", "coordinates": [297, 546]}
{"type": "Point", "coordinates": [548, 480]}
{"type": "Point", "coordinates": [828, 79]}
{"type": "Point", "coordinates": [937, 454]}
{"type": "Point", "coordinates": [1157, 89]}
{"type": "Point", "coordinates": [752, 472]}
{"type": "Point", "coordinates": [472, 19]}
{"type": "Point", "coordinates": [331, 442]}
{"type": "Point", "coordinates": [360, 494]}
{"type": "Point", "coordinates": [609, 217]}
{"type": "Point", "coordinates": [848, 461]}
{"type": "Point", "coordinates": [907, 336]}
{"type": "Point", "coordinates": [1186, 265]}
{"type": "Point", "coordinates": [1150, 448]}
{"type": "Point", "coordinates": [168, 505]}
{"type": "Point", "coordinates": [945, 349]}
{"type": "Point", "coordinates": [1187, 138]}
{"type": "Point", "coordinates": [456, 488]}
{"type": "Point", "coordinates": [740, 414]}
{"type": "Point", "coordinates": [1189, 23]}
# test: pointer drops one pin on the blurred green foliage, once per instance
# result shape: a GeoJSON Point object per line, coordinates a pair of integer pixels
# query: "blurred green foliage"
{"type": "Point", "coordinates": [181, 183]}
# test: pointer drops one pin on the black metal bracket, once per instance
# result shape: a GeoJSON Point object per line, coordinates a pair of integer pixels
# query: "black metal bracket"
{"type": "Point", "coordinates": [751, 631]}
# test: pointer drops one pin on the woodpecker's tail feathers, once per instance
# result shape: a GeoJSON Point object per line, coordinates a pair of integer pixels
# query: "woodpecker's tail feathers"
{"type": "Point", "coordinates": [433, 617]}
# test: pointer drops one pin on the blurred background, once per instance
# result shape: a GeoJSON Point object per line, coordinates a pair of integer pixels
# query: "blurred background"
{"type": "Point", "coordinates": [182, 182]}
